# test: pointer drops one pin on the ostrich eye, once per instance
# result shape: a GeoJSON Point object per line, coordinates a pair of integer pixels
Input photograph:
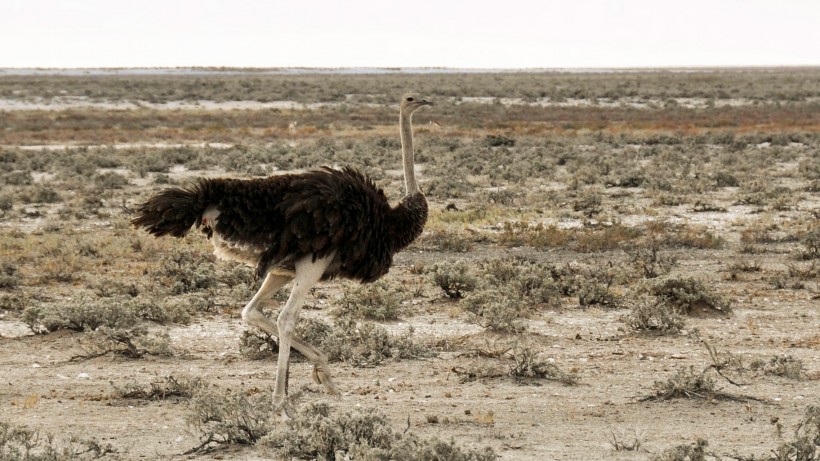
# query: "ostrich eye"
{"type": "Point", "coordinates": [409, 99]}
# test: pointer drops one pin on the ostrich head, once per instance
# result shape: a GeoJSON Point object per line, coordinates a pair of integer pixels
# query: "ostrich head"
{"type": "Point", "coordinates": [411, 102]}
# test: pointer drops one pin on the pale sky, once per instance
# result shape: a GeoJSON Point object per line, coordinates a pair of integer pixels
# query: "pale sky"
{"type": "Point", "coordinates": [416, 33]}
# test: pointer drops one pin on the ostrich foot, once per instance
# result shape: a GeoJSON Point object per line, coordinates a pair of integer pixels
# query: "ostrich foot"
{"type": "Point", "coordinates": [321, 376]}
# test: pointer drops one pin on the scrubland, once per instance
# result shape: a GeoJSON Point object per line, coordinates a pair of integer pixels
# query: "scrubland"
{"type": "Point", "coordinates": [616, 266]}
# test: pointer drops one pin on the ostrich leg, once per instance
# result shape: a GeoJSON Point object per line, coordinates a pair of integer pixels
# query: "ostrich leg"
{"type": "Point", "coordinates": [308, 273]}
{"type": "Point", "coordinates": [252, 315]}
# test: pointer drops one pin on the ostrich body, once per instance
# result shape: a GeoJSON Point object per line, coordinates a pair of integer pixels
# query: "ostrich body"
{"type": "Point", "coordinates": [302, 228]}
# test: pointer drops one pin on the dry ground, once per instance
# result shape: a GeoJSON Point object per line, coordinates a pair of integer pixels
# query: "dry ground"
{"type": "Point", "coordinates": [729, 195]}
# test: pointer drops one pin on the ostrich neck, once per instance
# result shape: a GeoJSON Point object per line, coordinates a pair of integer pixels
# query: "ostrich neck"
{"type": "Point", "coordinates": [407, 153]}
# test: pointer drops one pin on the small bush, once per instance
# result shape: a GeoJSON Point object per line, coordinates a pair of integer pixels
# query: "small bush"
{"type": "Point", "coordinates": [594, 287]}
{"type": "Point", "coordinates": [367, 344]}
{"type": "Point", "coordinates": [110, 180]}
{"type": "Point", "coordinates": [161, 389]}
{"type": "Point", "coordinates": [723, 179]}
{"type": "Point", "coordinates": [131, 343]}
{"type": "Point", "coordinates": [454, 279]}
{"type": "Point", "coordinates": [652, 315]}
{"type": "Point", "coordinates": [521, 363]}
{"type": "Point", "coordinates": [495, 140]}
{"type": "Point", "coordinates": [6, 203]}
{"type": "Point", "coordinates": [316, 433]}
{"type": "Point", "coordinates": [782, 365]}
{"type": "Point", "coordinates": [45, 194]}
{"type": "Point", "coordinates": [19, 443]}
{"type": "Point", "coordinates": [519, 233]}
{"type": "Point", "coordinates": [186, 272]}
{"type": "Point", "coordinates": [8, 275]}
{"type": "Point", "coordinates": [86, 313]}
{"type": "Point", "coordinates": [811, 244]}
{"type": "Point", "coordinates": [229, 418]}
{"type": "Point", "coordinates": [376, 302]}
{"type": "Point", "coordinates": [805, 443]}
{"type": "Point", "coordinates": [686, 452]}
{"type": "Point", "coordinates": [685, 383]}
{"type": "Point", "coordinates": [534, 281]}
{"type": "Point", "coordinates": [497, 310]}
{"type": "Point", "coordinates": [605, 238]}
{"type": "Point", "coordinates": [687, 294]}
{"type": "Point", "coordinates": [695, 237]}
{"type": "Point", "coordinates": [528, 365]}
{"type": "Point", "coordinates": [589, 204]}
{"type": "Point", "coordinates": [82, 314]}
{"type": "Point", "coordinates": [649, 261]}
{"type": "Point", "coordinates": [359, 344]}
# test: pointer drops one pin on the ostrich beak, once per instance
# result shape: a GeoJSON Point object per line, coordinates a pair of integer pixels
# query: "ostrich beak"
{"type": "Point", "coordinates": [426, 102]}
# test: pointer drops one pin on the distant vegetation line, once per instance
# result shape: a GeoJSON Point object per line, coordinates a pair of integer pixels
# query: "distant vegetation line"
{"type": "Point", "coordinates": [775, 84]}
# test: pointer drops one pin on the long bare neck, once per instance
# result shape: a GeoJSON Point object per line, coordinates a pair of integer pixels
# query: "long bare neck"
{"type": "Point", "coordinates": [406, 129]}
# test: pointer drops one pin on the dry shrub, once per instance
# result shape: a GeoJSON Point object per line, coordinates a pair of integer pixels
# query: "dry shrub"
{"type": "Point", "coordinates": [786, 366]}
{"type": "Point", "coordinates": [654, 315]}
{"type": "Point", "coordinates": [685, 383]}
{"type": "Point", "coordinates": [447, 240]}
{"type": "Point", "coordinates": [804, 445]}
{"type": "Point", "coordinates": [518, 233]}
{"type": "Point", "coordinates": [589, 203]}
{"type": "Point", "coordinates": [811, 244]}
{"type": "Point", "coordinates": [61, 264]}
{"type": "Point", "coordinates": [375, 302]}
{"type": "Point", "coordinates": [132, 343]}
{"type": "Point", "coordinates": [362, 344]}
{"type": "Point", "coordinates": [317, 433]}
{"type": "Point", "coordinates": [528, 365]}
{"type": "Point", "coordinates": [687, 294]}
{"type": "Point", "coordinates": [686, 452]}
{"type": "Point", "coordinates": [82, 314]}
{"type": "Point", "coordinates": [454, 278]}
{"type": "Point", "coordinates": [696, 237]}
{"type": "Point", "coordinates": [227, 418]}
{"type": "Point", "coordinates": [161, 389]}
{"type": "Point", "coordinates": [223, 419]}
{"type": "Point", "coordinates": [87, 313]}
{"type": "Point", "coordinates": [20, 443]}
{"type": "Point", "coordinates": [595, 286]}
{"type": "Point", "coordinates": [497, 309]}
{"type": "Point", "coordinates": [367, 344]}
{"type": "Point", "coordinates": [649, 261]}
{"type": "Point", "coordinates": [604, 238]}
{"type": "Point", "coordinates": [512, 360]}
{"type": "Point", "coordinates": [186, 271]}
{"type": "Point", "coordinates": [509, 291]}
{"type": "Point", "coordinates": [9, 277]}
{"type": "Point", "coordinates": [758, 234]}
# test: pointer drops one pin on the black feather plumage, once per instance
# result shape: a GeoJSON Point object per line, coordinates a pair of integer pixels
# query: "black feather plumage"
{"type": "Point", "coordinates": [281, 219]}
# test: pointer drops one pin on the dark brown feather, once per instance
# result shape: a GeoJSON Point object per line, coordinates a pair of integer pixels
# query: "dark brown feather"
{"type": "Point", "coordinates": [291, 216]}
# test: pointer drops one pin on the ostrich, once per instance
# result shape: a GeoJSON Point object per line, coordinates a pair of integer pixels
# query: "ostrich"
{"type": "Point", "coordinates": [300, 228]}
